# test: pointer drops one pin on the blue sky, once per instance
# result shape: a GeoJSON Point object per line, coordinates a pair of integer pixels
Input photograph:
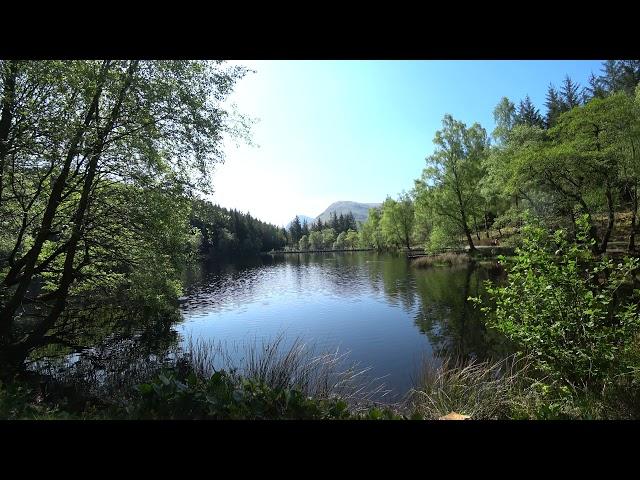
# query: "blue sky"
{"type": "Point", "coordinates": [360, 130]}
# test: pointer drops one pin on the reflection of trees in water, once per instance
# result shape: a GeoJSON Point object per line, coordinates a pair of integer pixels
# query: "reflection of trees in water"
{"type": "Point", "coordinates": [393, 276]}
{"type": "Point", "coordinates": [210, 283]}
{"type": "Point", "coordinates": [120, 349]}
{"type": "Point", "coordinates": [450, 321]}
{"type": "Point", "coordinates": [436, 297]}
{"type": "Point", "coordinates": [343, 274]}
{"type": "Point", "coordinates": [352, 274]}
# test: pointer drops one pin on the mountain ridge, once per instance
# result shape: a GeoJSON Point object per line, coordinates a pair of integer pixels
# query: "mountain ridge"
{"type": "Point", "coordinates": [360, 210]}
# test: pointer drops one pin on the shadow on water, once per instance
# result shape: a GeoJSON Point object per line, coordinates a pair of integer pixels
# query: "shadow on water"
{"type": "Point", "coordinates": [453, 324]}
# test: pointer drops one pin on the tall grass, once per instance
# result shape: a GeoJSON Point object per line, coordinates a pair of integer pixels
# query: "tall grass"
{"type": "Point", "coordinates": [482, 390]}
{"type": "Point", "coordinates": [298, 366]}
{"type": "Point", "coordinates": [441, 259]}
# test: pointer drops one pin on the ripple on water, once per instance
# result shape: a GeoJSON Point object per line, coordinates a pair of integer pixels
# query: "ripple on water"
{"type": "Point", "coordinates": [375, 306]}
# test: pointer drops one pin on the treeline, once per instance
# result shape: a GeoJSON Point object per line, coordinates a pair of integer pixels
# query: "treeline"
{"type": "Point", "coordinates": [580, 157]}
{"type": "Point", "coordinates": [340, 232]}
{"type": "Point", "coordinates": [227, 232]}
{"type": "Point", "coordinates": [387, 227]}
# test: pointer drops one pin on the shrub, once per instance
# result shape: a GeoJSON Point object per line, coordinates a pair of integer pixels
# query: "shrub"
{"type": "Point", "coordinates": [561, 305]}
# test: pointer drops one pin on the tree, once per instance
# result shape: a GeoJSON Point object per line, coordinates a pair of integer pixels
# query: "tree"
{"type": "Point", "coordinates": [304, 243]}
{"type": "Point", "coordinates": [333, 221]}
{"type": "Point", "coordinates": [351, 239]}
{"type": "Point", "coordinates": [339, 244]}
{"type": "Point", "coordinates": [315, 240]}
{"type": "Point", "coordinates": [596, 88]}
{"type": "Point", "coordinates": [570, 94]}
{"type": "Point", "coordinates": [554, 106]}
{"type": "Point", "coordinates": [505, 117]}
{"type": "Point", "coordinates": [295, 230]}
{"type": "Point", "coordinates": [350, 222]}
{"type": "Point", "coordinates": [593, 136]}
{"type": "Point", "coordinates": [619, 75]}
{"type": "Point", "coordinates": [371, 233]}
{"type": "Point", "coordinates": [450, 182]}
{"type": "Point", "coordinates": [528, 114]}
{"type": "Point", "coordinates": [84, 138]}
{"type": "Point", "coordinates": [328, 237]}
{"type": "Point", "coordinates": [397, 220]}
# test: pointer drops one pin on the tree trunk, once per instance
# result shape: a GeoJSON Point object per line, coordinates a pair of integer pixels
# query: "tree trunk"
{"type": "Point", "coordinates": [574, 231]}
{"type": "Point", "coordinates": [605, 239]}
{"type": "Point", "coordinates": [8, 101]}
{"type": "Point", "coordinates": [467, 232]}
{"type": "Point", "coordinates": [486, 224]}
{"type": "Point", "coordinates": [634, 213]}
{"type": "Point", "coordinates": [29, 260]}
{"type": "Point", "coordinates": [69, 272]}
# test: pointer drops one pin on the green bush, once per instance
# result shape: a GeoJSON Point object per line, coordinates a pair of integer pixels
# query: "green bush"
{"type": "Point", "coordinates": [225, 396]}
{"type": "Point", "coordinates": [561, 305]}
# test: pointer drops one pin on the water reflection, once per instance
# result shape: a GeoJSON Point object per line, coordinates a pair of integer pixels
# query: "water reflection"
{"type": "Point", "coordinates": [384, 312]}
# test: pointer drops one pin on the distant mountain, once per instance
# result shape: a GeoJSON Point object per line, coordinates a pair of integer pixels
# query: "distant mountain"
{"type": "Point", "coordinates": [302, 218]}
{"type": "Point", "coordinates": [308, 219]}
{"type": "Point", "coordinates": [360, 210]}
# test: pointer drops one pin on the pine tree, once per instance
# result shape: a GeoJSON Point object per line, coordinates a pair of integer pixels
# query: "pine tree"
{"type": "Point", "coordinates": [528, 114]}
{"type": "Point", "coordinates": [554, 106]}
{"type": "Point", "coordinates": [333, 221]}
{"type": "Point", "coordinates": [340, 225]}
{"type": "Point", "coordinates": [611, 77]}
{"type": "Point", "coordinates": [596, 88]}
{"type": "Point", "coordinates": [570, 94]}
{"type": "Point", "coordinates": [305, 228]}
{"type": "Point", "coordinates": [630, 75]}
{"type": "Point", "coordinates": [350, 222]}
{"type": "Point", "coordinates": [295, 230]}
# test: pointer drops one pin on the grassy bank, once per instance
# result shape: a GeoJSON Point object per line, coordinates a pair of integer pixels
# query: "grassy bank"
{"type": "Point", "coordinates": [447, 259]}
{"type": "Point", "coordinates": [274, 382]}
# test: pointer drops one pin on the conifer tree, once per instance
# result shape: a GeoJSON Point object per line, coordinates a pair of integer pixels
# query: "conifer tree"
{"type": "Point", "coordinates": [528, 114]}
{"type": "Point", "coordinates": [570, 94]}
{"type": "Point", "coordinates": [554, 106]}
{"type": "Point", "coordinates": [295, 230]}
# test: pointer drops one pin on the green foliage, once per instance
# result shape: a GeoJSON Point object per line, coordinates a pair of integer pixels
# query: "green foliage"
{"type": "Point", "coordinates": [443, 235]}
{"type": "Point", "coordinates": [397, 221]}
{"type": "Point", "coordinates": [562, 306]}
{"type": "Point", "coordinates": [371, 233]}
{"type": "Point", "coordinates": [303, 244]}
{"type": "Point", "coordinates": [450, 185]}
{"type": "Point", "coordinates": [228, 232]}
{"type": "Point", "coordinates": [505, 117]}
{"type": "Point", "coordinates": [328, 238]}
{"type": "Point", "coordinates": [94, 204]}
{"type": "Point", "coordinates": [351, 239]}
{"type": "Point", "coordinates": [528, 114]}
{"type": "Point", "coordinates": [19, 402]}
{"type": "Point", "coordinates": [226, 396]}
{"type": "Point", "coordinates": [315, 240]}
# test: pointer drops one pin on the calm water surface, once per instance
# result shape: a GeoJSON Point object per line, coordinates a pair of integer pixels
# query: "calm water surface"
{"type": "Point", "coordinates": [386, 314]}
